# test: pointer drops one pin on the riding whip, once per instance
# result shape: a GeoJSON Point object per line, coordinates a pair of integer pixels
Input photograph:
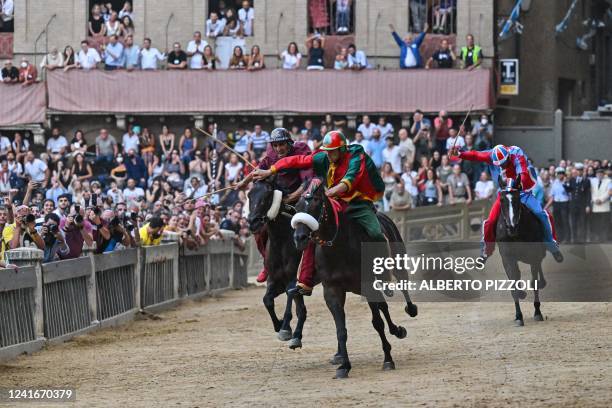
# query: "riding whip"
{"type": "Point", "coordinates": [227, 147]}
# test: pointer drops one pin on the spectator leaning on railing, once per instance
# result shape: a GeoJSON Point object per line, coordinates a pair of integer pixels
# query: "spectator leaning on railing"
{"type": "Point", "coordinates": [151, 233]}
{"type": "Point", "coordinates": [55, 245]}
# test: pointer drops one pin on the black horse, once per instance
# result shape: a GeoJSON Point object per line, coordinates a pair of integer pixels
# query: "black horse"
{"type": "Point", "coordinates": [520, 238]}
{"type": "Point", "coordinates": [338, 266]}
{"type": "Point", "coordinates": [282, 258]}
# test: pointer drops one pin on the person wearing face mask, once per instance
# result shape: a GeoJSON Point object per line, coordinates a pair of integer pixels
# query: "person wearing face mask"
{"type": "Point", "coordinates": [27, 72]}
{"type": "Point", "coordinates": [119, 173]}
{"type": "Point", "coordinates": [483, 134]}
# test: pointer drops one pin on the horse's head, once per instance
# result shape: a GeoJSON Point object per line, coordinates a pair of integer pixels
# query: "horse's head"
{"type": "Point", "coordinates": [309, 207]}
{"type": "Point", "coordinates": [264, 203]}
{"type": "Point", "coordinates": [510, 191]}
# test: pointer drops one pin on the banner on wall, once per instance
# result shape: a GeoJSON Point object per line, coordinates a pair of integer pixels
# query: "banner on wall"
{"type": "Point", "coordinates": [509, 69]}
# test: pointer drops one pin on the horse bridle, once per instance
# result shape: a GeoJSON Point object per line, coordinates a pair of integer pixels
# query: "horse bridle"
{"type": "Point", "coordinates": [322, 218]}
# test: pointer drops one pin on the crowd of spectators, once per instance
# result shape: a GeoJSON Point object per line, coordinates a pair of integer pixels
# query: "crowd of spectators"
{"type": "Point", "coordinates": [110, 46]}
{"type": "Point", "coordinates": [126, 190]}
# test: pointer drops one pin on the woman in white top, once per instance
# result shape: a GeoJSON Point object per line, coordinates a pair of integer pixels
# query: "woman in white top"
{"type": "Point", "coordinates": [484, 187]}
{"type": "Point", "coordinates": [291, 57]}
{"type": "Point", "coordinates": [232, 169]}
{"type": "Point", "coordinates": [113, 26]}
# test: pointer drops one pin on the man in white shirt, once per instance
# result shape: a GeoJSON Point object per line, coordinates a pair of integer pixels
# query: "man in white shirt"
{"type": "Point", "coordinates": [391, 154]}
{"type": "Point", "coordinates": [56, 145]}
{"type": "Point", "coordinates": [132, 193]}
{"type": "Point", "coordinates": [357, 60]}
{"type": "Point", "coordinates": [214, 26]}
{"type": "Point", "coordinates": [246, 15]}
{"type": "Point", "coordinates": [7, 15]}
{"type": "Point", "coordinates": [87, 58]}
{"type": "Point", "coordinates": [384, 127]}
{"type": "Point", "coordinates": [406, 146]}
{"type": "Point", "coordinates": [452, 135]}
{"type": "Point", "coordinates": [149, 56]}
{"type": "Point", "coordinates": [5, 146]}
{"type": "Point", "coordinates": [366, 127]}
{"type": "Point", "coordinates": [484, 187]}
{"type": "Point", "coordinates": [195, 189]}
{"type": "Point", "coordinates": [36, 169]}
{"type": "Point", "coordinates": [360, 140]}
{"type": "Point", "coordinates": [130, 140]}
{"type": "Point", "coordinates": [195, 50]}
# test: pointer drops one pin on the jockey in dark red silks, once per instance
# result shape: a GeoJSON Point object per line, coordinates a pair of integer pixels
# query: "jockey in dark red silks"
{"type": "Point", "coordinates": [351, 177]}
{"type": "Point", "coordinates": [510, 162]}
{"type": "Point", "coordinates": [289, 181]}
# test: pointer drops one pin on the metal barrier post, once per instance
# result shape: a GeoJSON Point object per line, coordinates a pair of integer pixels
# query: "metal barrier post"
{"type": "Point", "coordinates": [92, 295]}
{"type": "Point", "coordinates": [32, 257]}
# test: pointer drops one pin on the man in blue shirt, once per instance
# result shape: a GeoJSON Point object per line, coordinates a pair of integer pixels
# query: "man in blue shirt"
{"type": "Point", "coordinates": [375, 148]}
{"type": "Point", "coordinates": [136, 169]}
{"type": "Point", "coordinates": [131, 53]}
{"type": "Point", "coordinates": [113, 54]}
{"type": "Point", "coordinates": [560, 202]}
{"type": "Point", "coordinates": [410, 57]}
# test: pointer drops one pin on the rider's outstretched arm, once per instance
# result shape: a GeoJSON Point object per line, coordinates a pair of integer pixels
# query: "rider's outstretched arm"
{"type": "Point", "coordinates": [293, 162]}
{"type": "Point", "coordinates": [473, 155]}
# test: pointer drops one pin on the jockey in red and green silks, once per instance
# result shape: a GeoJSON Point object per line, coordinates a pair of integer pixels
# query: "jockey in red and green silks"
{"type": "Point", "coordinates": [351, 177]}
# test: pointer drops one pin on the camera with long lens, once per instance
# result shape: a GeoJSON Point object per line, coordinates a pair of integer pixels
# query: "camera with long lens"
{"type": "Point", "coordinates": [53, 229]}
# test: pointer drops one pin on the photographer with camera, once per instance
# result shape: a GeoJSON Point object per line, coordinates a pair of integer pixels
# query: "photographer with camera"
{"type": "Point", "coordinates": [109, 231]}
{"type": "Point", "coordinates": [55, 246]}
{"type": "Point", "coordinates": [23, 232]}
{"type": "Point", "coordinates": [77, 230]}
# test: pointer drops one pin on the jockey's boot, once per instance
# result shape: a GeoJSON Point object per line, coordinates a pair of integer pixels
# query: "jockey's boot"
{"type": "Point", "coordinates": [558, 256]}
{"type": "Point", "coordinates": [263, 275]}
{"type": "Point", "coordinates": [300, 290]}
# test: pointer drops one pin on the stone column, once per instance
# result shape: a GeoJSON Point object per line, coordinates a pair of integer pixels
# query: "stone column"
{"type": "Point", "coordinates": [32, 257]}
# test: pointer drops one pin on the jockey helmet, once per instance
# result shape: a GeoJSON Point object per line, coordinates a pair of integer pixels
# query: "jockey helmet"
{"type": "Point", "coordinates": [280, 135]}
{"type": "Point", "coordinates": [499, 155]}
{"type": "Point", "coordinates": [334, 140]}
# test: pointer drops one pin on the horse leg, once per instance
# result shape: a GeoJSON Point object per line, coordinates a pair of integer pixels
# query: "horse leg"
{"type": "Point", "coordinates": [272, 291]}
{"type": "Point", "coordinates": [514, 273]}
{"type": "Point", "coordinates": [335, 298]}
{"type": "Point", "coordinates": [300, 311]}
{"type": "Point", "coordinates": [397, 331]}
{"type": "Point", "coordinates": [379, 326]}
{"type": "Point", "coordinates": [284, 334]}
{"type": "Point", "coordinates": [536, 271]}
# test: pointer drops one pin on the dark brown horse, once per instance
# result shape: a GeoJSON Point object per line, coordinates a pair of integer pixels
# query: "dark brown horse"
{"type": "Point", "coordinates": [338, 266]}
{"type": "Point", "coordinates": [282, 258]}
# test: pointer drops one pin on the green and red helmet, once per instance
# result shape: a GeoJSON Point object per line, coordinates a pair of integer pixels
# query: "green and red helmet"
{"type": "Point", "coordinates": [334, 140]}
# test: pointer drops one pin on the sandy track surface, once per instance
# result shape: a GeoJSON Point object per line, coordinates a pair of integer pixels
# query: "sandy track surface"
{"type": "Point", "coordinates": [222, 351]}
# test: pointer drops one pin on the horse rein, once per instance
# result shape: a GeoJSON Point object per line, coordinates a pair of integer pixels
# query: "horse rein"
{"type": "Point", "coordinates": [322, 218]}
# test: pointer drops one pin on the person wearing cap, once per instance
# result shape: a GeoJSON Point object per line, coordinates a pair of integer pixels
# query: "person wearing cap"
{"type": "Point", "coordinates": [351, 177]}
{"type": "Point", "coordinates": [289, 182]}
{"type": "Point", "coordinates": [601, 191]}
{"type": "Point", "coordinates": [559, 197]}
{"type": "Point", "coordinates": [510, 162]}
{"type": "Point", "coordinates": [580, 201]}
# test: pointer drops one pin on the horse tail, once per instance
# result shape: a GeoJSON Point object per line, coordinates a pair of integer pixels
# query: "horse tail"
{"type": "Point", "coordinates": [396, 246]}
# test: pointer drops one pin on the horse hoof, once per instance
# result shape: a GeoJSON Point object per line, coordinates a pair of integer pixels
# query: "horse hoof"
{"type": "Point", "coordinates": [337, 360]}
{"type": "Point", "coordinates": [388, 366]}
{"type": "Point", "coordinates": [538, 317]}
{"type": "Point", "coordinates": [541, 283]}
{"type": "Point", "coordinates": [341, 373]}
{"type": "Point", "coordinates": [401, 332]}
{"type": "Point", "coordinates": [284, 335]}
{"type": "Point", "coordinates": [519, 323]}
{"type": "Point", "coordinates": [521, 294]}
{"type": "Point", "coordinates": [412, 310]}
{"type": "Point", "coordinates": [295, 343]}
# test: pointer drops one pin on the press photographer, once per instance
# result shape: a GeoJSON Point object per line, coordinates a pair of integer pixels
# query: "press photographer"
{"type": "Point", "coordinates": [23, 232]}
{"type": "Point", "coordinates": [55, 245]}
{"type": "Point", "coordinates": [78, 230]}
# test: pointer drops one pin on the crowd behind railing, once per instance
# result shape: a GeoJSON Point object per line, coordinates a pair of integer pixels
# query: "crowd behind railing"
{"type": "Point", "coordinates": [110, 46]}
{"type": "Point", "coordinates": [126, 192]}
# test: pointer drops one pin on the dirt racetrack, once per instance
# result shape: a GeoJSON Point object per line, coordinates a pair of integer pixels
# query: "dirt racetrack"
{"type": "Point", "coordinates": [222, 351]}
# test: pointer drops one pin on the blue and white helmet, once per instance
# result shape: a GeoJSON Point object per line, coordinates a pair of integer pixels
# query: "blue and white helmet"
{"type": "Point", "coordinates": [280, 135]}
{"type": "Point", "coordinates": [499, 155]}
